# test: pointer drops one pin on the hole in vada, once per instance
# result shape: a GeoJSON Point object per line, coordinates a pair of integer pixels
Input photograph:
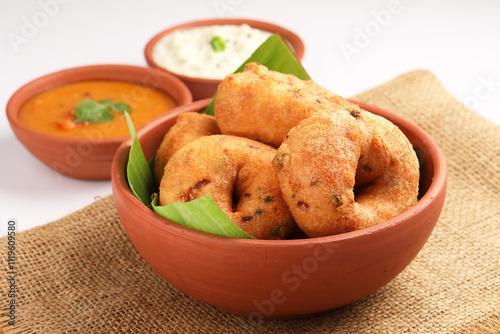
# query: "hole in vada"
{"type": "Point", "coordinates": [359, 190]}
{"type": "Point", "coordinates": [235, 199]}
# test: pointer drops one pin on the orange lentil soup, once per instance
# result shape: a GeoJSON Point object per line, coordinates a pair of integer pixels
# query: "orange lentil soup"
{"type": "Point", "coordinates": [51, 112]}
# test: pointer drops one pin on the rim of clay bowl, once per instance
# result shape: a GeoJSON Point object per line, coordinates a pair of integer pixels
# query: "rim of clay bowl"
{"type": "Point", "coordinates": [102, 71]}
{"type": "Point", "coordinates": [294, 41]}
{"type": "Point", "coordinates": [435, 189]}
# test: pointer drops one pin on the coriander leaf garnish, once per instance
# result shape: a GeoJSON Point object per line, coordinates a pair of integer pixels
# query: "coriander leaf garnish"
{"type": "Point", "coordinates": [121, 107]}
{"type": "Point", "coordinates": [91, 111]}
{"type": "Point", "coordinates": [218, 44]}
{"type": "Point", "coordinates": [94, 112]}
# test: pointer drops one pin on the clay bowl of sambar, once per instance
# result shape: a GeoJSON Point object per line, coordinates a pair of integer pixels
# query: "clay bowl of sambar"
{"type": "Point", "coordinates": [192, 51]}
{"type": "Point", "coordinates": [73, 120]}
{"type": "Point", "coordinates": [280, 279]}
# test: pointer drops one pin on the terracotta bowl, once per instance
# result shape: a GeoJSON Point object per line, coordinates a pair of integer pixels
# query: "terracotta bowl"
{"type": "Point", "coordinates": [285, 278]}
{"type": "Point", "coordinates": [205, 88]}
{"type": "Point", "coordinates": [87, 159]}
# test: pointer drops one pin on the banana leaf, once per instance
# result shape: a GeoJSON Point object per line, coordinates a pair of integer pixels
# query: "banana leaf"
{"type": "Point", "coordinates": [139, 175]}
{"type": "Point", "coordinates": [201, 214]}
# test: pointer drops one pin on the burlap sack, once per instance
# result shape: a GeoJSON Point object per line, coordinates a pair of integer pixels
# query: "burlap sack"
{"type": "Point", "coordinates": [81, 274]}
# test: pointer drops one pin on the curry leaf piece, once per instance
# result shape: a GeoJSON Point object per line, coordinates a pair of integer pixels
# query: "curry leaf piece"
{"type": "Point", "coordinates": [201, 214]}
{"type": "Point", "coordinates": [139, 176]}
{"type": "Point", "coordinates": [276, 56]}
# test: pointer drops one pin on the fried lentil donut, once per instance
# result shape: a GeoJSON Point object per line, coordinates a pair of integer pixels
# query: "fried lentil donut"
{"type": "Point", "coordinates": [238, 174]}
{"type": "Point", "coordinates": [342, 172]}
{"type": "Point", "coordinates": [188, 127]}
{"type": "Point", "coordinates": [264, 105]}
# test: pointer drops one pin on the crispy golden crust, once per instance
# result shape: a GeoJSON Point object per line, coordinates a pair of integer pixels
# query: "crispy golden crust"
{"type": "Point", "coordinates": [338, 168]}
{"type": "Point", "coordinates": [238, 174]}
{"type": "Point", "coordinates": [342, 172]}
{"type": "Point", "coordinates": [188, 127]}
{"type": "Point", "coordinates": [264, 105]}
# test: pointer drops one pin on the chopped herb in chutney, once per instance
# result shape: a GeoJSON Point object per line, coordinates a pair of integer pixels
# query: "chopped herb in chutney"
{"type": "Point", "coordinates": [94, 112]}
{"type": "Point", "coordinates": [218, 44]}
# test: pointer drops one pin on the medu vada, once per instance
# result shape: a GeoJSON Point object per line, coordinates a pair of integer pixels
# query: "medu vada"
{"type": "Point", "coordinates": [342, 172]}
{"type": "Point", "coordinates": [264, 105]}
{"type": "Point", "coordinates": [237, 173]}
{"type": "Point", "coordinates": [188, 126]}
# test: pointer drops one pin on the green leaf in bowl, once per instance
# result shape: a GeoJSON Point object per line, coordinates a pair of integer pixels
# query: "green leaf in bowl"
{"type": "Point", "coordinates": [201, 214]}
{"type": "Point", "coordinates": [139, 176]}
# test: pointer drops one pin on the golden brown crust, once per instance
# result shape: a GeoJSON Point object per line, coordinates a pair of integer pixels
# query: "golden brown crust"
{"type": "Point", "coordinates": [342, 172]}
{"type": "Point", "coordinates": [338, 168]}
{"type": "Point", "coordinates": [264, 105]}
{"type": "Point", "coordinates": [238, 174]}
{"type": "Point", "coordinates": [188, 127]}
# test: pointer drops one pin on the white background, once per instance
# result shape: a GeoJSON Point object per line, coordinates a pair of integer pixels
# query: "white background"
{"type": "Point", "coordinates": [459, 41]}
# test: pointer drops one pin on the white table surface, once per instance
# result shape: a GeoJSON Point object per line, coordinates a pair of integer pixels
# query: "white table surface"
{"type": "Point", "coordinates": [351, 46]}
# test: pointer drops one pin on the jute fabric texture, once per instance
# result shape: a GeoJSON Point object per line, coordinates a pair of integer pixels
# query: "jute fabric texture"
{"type": "Point", "coordinates": [81, 274]}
